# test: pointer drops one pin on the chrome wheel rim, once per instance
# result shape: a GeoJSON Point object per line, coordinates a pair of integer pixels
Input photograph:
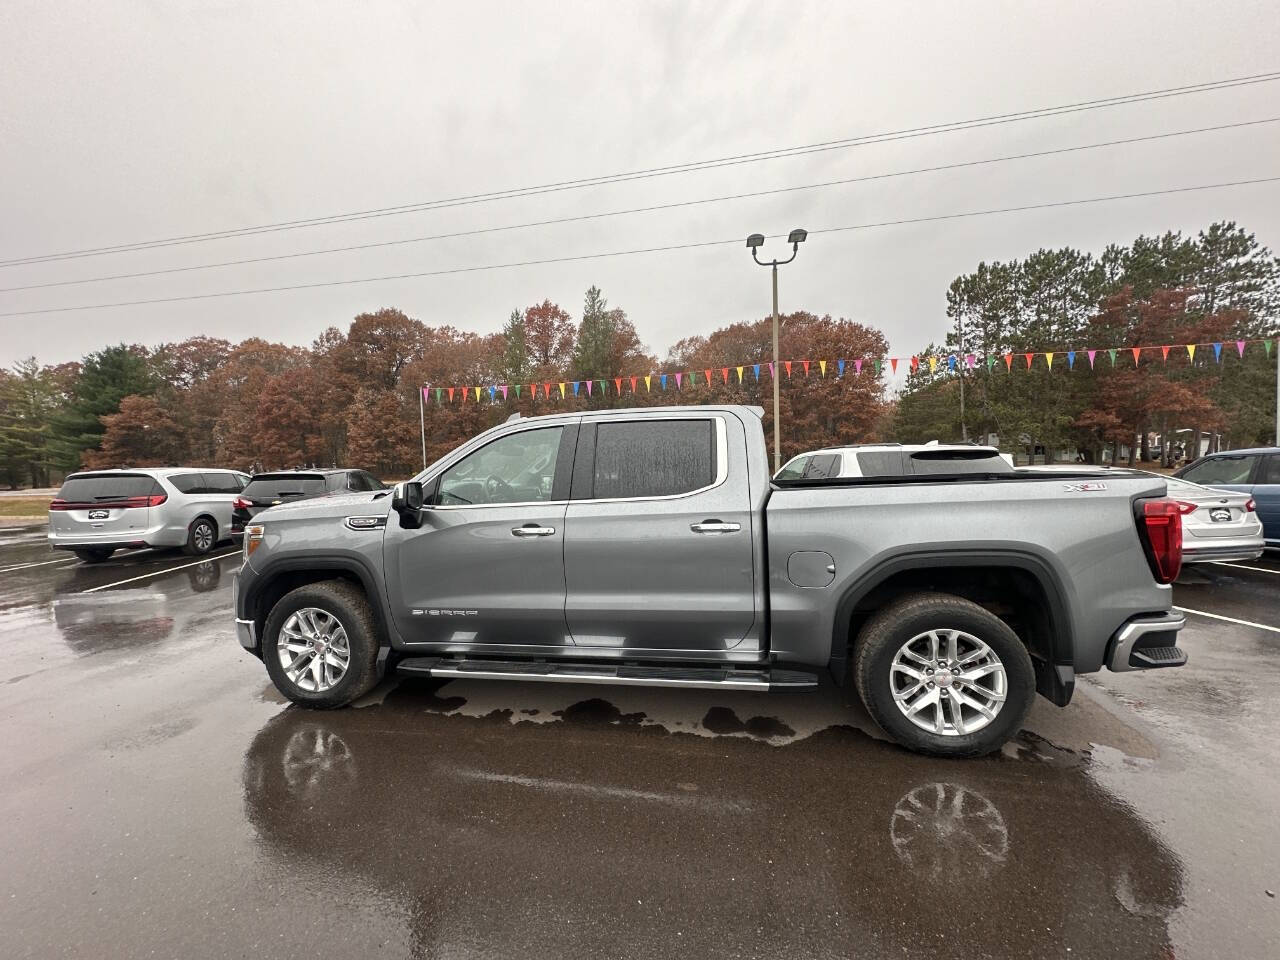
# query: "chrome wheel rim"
{"type": "Point", "coordinates": [203, 537]}
{"type": "Point", "coordinates": [948, 682]}
{"type": "Point", "coordinates": [313, 650]}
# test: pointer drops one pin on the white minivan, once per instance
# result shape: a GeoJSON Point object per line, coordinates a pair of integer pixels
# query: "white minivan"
{"type": "Point", "coordinates": [98, 512]}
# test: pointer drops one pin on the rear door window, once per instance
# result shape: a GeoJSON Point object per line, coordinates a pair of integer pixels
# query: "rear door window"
{"type": "Point", "coordinates": [106, 487]}
{"type": "Point", "coordinates": [282, 487]}
{"type": "Point", "coordinates": [217, 481]}
{"type": "Point", "coordinates": [1222, 470]}
{"type": "Point", "coordinates": [1270, 469]}
{"type": "Point", "coordinates": [189, 482]}
{"type": "Point", "coordinates": [653, 458]}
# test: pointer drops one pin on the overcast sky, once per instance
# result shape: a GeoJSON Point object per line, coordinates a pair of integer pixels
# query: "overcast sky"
{"type": "Point", "coordinates": [131, 121]}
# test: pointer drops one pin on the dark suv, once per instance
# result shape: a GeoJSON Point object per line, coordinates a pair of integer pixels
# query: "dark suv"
{"type": "Point", "coordinates": [271, 489]}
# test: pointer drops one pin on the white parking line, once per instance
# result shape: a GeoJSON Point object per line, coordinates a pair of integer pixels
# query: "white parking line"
{"type": "Point", "coordinates": [156, 573]}
{"type": "Point", "coordinates": [1241, 566]}
{"type": "Point", "coordinates": [1218, 616]}
{"type": "Point", "coordinates": [42, 563]}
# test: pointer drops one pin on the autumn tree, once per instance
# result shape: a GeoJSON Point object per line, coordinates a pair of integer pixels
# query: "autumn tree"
{"type": "Point", "coordinates": [144, 433]}
{"type": "Point", "coordinates": [548, 332]}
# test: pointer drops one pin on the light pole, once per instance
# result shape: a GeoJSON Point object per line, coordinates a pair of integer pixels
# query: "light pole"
{"type": "Point", "coordinates": [755, 242]}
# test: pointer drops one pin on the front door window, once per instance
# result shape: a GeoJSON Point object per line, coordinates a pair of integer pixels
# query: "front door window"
{"type": "Point", "coordinates": [517, 468]}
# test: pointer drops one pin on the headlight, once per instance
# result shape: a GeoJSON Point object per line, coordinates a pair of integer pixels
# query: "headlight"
{"type": "Point", "coordinates": [252, 538]}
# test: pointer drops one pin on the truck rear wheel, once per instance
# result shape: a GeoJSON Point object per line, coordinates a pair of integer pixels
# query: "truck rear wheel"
{"type": "Point", "coordinates": [943, 676]}
{"type": "Point", "coordinates": [320, 645]}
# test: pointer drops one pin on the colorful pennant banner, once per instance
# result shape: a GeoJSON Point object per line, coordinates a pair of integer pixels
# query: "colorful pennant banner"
{"type": "Point", "coordinates": [793, 369]}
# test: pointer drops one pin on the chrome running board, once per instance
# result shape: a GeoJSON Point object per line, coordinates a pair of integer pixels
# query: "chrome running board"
{"type": "Point", "coordinates": [632, 675]}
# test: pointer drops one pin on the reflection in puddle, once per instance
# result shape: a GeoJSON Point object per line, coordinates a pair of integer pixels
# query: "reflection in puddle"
{"type": "Point", "coordinates": [597, 834]}
{"type": "Point", "coordinates": [947, 833]}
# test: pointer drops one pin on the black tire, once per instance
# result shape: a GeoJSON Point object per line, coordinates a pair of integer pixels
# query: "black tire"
{"type": "Point", "coordinates": [202, 537]}
{"type": "Point", "coordinates": [94, 556]}
{"type": "Point", "coordinates": [351, 608]}
{"type": "Point", "coordinates": [889, 629]}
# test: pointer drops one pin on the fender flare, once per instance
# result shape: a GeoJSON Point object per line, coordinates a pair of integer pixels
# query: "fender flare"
{"type": "Point", "coordinates": [1061, 629]}
{"type": "Point", "coordinates": [334, 562]}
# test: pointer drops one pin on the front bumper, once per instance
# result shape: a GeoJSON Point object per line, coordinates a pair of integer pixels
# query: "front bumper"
{"type": "Point", "coordinates": [1146, 643]}
{"type": "Point", "coordinates": [246, 627]}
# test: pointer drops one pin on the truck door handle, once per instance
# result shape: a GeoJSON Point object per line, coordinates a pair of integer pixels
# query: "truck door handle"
{"type": "Point", "coordinates": [715, 526]}
{"type": "Point", "coordinates": [532, 530]}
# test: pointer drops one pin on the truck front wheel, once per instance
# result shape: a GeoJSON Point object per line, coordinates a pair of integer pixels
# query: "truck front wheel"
{"type": "Point", "coordinates": [320, 644]}
{"type": "Point", "coordinates": [943, 676]}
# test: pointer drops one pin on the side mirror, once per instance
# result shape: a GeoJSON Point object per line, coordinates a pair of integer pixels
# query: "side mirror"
{"type": "Point", "coordinates": [406, 500]}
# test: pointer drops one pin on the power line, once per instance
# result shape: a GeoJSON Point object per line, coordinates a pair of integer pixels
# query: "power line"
{"type": "Point", "coordinates": [624, 253]}
{"type": "Point", "coordinates": [649, 209]}
{"type": "Point", "coordinates": [648, 173]}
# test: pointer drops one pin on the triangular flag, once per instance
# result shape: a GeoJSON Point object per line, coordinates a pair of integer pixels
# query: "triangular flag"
{"type": "Point", "coordinates": [1112, 351]}
{"type": "Point", "coordinates": [492, 391]}
{"type": "Point", "coordinates": [1217, 353]}
{"type": "Point", "coordinates": [708, 373]}
{"type": "Point", "coordinates": [562, 390]}
{"type": "Point", "coordinates": [518, 390]}
{"type": "Point", "coordinates": [969, 359]}
{"type": "Point", "coordinates": [451, 394]}
{"type": "Point", "coordinates": [633, 384]}
{"type": "Point", "coordinates": [877, 364]}
{"type": "Point", "coordinates": [477, 390]}
{"type": "Point", "coordinates": [951, 363]}
{"type": "Point", "coordinates": [1092, 354]}
{"type": "Point", "coordinates": [893, 364]}
{"type": "Point", "coordinates": [787, 364]}
{"type": "Point", "coordinates": [588, 388]}
{"type": "Point", "coordinates": [806, 367]}
{"type": "Point", "coordinates": [772, 372]}
{"type": "Point", "coordinates": [664, 381]}
{"type": "Point", "coordinates": [739, 369]}
{"type": "Point", "coordinates": [648, 380]}
{"type": "Point", "coordinates": [756, 367]}
{"type": "Point", "coordinates": [617, 382]}
{"type": "Point", "coordinates": [822, 367]}
{"type": "Point", "coordinates": [1266, 345]}
{"type": "Point", "coordinates": [724, 372]}
{"type": "Point", "coordinates": [1137, 352]}
{"type": "Point", "coordinates": [1008, 362]}
{"type": "Point", "coordinates": [839, 368]}
{"type": "Point", "coordinates": [576, 385]}
{"type": "Point", "coordinates": [1029, 357]}
{"type": "Point", "coordinates": [915, 364]}
{"type": "Point", "coordinates": [1048, 358]}
{"type": "Point", "coordinates": [857, 367]}
{"type": "Point", "coordinates": [933, 364]}
{"type": "Point", "coordinates": [1165, 351]}
{"type": "Point", "coordinates": [679, 377]}
{"type": "Point", "coordinates": [1071, 359]}
{"type": "Point", "coordinates": [990, 361]}
{"type": "Point", "coordinates": [439, 390]}
{"type": "Point", "coordinates": [1191, 352]}
{"type": "Point", "coordinates": [1240, 347]}
{"type": "Point", "coordinates": [426, 395]}
{"type": "Point", "coordinates": [546, 389]}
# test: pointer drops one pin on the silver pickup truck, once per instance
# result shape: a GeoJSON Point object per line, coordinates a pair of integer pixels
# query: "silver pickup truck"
{"type": "Point", "coordinates": [650, 547]}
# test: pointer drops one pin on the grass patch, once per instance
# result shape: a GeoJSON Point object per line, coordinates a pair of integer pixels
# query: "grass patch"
{"type": "Point", "coordinates": [24, 507]}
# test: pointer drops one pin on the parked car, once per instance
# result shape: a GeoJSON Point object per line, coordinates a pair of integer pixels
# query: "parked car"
{"type": "Point", "coordinates": [1255, 471]}
{"type": "Point", "coordinates": [645, 547]}
{"type": "Point", "coordinates": [863, 460]}
{"type": "Point", "coordinates": [267, 490]}
{"type": "Point", "coordinates": [1217, 524]}
{"type": "Point", "coordinates": [101, 511]}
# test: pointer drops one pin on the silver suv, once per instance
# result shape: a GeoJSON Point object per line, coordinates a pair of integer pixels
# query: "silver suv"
{"type": "Point", "coordinates": [97, 513]}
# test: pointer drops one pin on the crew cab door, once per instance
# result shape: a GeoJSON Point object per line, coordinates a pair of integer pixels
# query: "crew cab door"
{"type": "Point", "coordinates": [487, 565]}
{"type": "Point", "coordinates": [658, 534]}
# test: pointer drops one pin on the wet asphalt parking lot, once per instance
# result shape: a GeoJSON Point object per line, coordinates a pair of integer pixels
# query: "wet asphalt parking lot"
{"type": "Point", "coordinates": [158, 799]}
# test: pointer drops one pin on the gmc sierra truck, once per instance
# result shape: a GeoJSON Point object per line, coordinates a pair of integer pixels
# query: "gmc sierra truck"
{"type": "Point", "coordinates": [651, 547]}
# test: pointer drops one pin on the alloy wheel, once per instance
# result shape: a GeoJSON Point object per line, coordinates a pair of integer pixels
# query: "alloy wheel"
{"type": "Point", "coordinates": [948, 682]}
{"type": "Point", "coordinates": [313, 649]}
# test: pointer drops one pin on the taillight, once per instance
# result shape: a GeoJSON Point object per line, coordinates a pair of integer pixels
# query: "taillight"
{"type": "Point", "coordinates": [240, 503]}
{"type": "Point", "coordinates": [58, 505]}
{"type": "Point", "coordinates": [1251, 506]}
{"type": "Point", "coordinates": [1184, 508]}
{"type": "Point", "coordinates": [152, 501]}
{"type": "Point", "coordinates": [1160, 528]}
{"type": "Point", "coordinates": [156, 499]}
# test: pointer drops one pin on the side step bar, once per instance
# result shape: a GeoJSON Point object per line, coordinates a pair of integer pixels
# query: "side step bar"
{"type": "Point", "coordinates": [703, 678]}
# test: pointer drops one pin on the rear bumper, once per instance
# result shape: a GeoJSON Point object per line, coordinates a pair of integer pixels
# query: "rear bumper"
{"type": "Point", "coordinates": [1147, 642]}
{"type": "Point", "coordinates": [156, 535]}
{"type": "Point", "coordinates": [1197, 553]}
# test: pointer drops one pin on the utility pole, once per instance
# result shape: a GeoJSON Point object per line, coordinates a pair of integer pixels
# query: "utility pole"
{"type": "Point", "coordinates": [422, 421]}
{"type": "Point", "coordinates": [1277, 345]}
{"type": "Point", "coordinates": [754, 242]}
{"type": "Point", "coordinates": [964, 431]}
